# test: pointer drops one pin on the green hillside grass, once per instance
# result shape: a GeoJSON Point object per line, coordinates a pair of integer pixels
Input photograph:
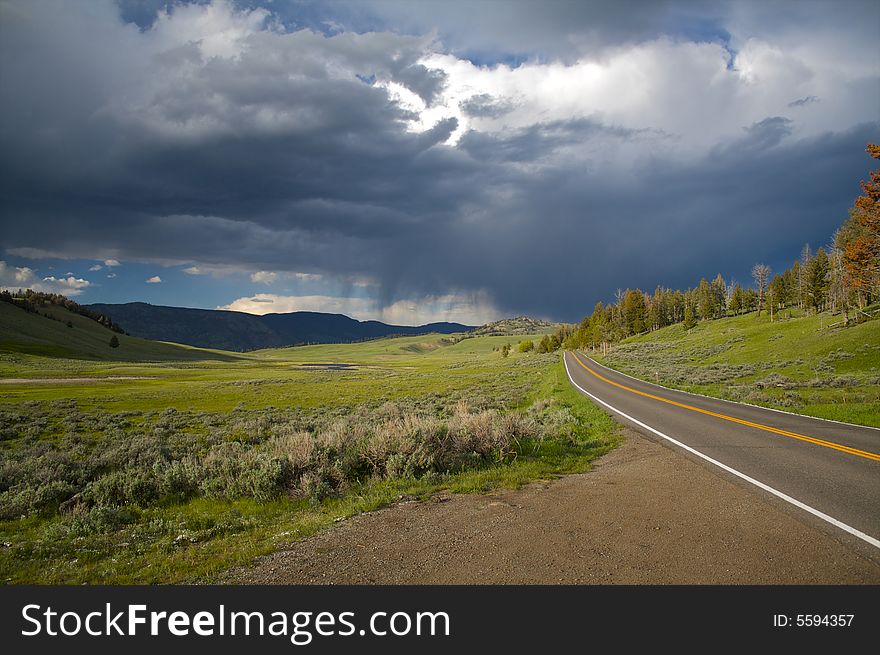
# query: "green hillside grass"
{"type": "Point", "coordinates": [79, 425]}
{"type": "Point", "coordinates": [797, 363]}
{"type": "Point", "coordinates": [26, 333]}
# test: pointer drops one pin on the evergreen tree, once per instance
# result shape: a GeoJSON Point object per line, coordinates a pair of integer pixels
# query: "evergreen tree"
{"type": "Point", "coordinates": [634, 312]}
{"type": "Point", "coordinates": [750, 300]}
{"type": "Point", "coordinates": [690, 320]}
{"type": "Point", "coordinates": [786, 288]}
{"type": "Point", "coordinates": [736, 300]}
{"type": "Point", "coordinates": [817, 280]}
{"type": "Point", "coordinates": [719, 297]}
{"type": "Point", "coordinates": [776, 292]}
{"type": "Point", "coordinates": [704, 300]}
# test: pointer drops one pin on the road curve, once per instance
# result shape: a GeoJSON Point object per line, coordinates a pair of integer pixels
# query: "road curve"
{"type": "Point", "coordinates": [829, 470]}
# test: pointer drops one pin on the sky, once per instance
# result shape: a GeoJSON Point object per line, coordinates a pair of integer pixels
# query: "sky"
{"type": "Point", "coordinates": [424, 161]}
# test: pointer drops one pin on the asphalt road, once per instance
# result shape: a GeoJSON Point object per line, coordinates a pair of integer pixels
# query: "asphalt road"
{"type": "Point", "coordinates": [830, 471]}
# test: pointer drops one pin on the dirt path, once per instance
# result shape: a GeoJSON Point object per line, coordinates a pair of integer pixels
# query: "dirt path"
{"type": "Point", "coordinates": [646, 514]}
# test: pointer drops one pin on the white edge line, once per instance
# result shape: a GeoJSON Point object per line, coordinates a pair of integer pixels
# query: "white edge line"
{"type": "Point", "coordinates": [729, 402]}
{"type": "Point", "coordinates": [794, 501]}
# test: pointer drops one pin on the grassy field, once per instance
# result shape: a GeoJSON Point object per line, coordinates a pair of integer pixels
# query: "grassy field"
{"type": "Point", "coordinates": [161, 463]}
{"type": "Point", "coordinates": [797, 363]}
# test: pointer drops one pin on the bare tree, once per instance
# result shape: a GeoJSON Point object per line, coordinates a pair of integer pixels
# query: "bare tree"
{"type": "Point", "coordinates": [761, 274]}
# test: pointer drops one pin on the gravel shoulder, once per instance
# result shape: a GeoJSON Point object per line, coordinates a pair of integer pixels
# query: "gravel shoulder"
{"type": "Point", "coordinates": [645, 514]}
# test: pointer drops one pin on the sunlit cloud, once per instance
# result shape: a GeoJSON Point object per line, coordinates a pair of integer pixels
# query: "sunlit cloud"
{"type": "Point", "coordinates": [473, 309]}
{"type": "Point", "coordinates": [264, 277]}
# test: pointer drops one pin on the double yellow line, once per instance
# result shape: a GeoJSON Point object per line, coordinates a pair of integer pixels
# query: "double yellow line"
{"type": "Point", "coordinates": [733, 419]}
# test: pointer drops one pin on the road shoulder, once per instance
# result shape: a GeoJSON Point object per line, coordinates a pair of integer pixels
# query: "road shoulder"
{"type": "Point", "coordinates": [646, 514]}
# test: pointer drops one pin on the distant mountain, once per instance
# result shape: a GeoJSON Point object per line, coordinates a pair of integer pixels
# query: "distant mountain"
{"type": "Point", "coordinates": [208, 328]}
{"type": "Point", "coordinates": [515, 326]}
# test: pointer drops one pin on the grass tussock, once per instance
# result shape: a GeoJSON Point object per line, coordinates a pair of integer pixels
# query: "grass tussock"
{"type": "Point", "coordinates": [176, 457]}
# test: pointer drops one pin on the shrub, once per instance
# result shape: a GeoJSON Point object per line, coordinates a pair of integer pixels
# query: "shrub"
{"type": "Point", "coordinates": [123, 487]}
{"type": "Point", "coordinates": [114, 461]}
{"type": "Point", "coordinates": [232, 471]}
{"type": "Point", "coordinates": [179, 480]}
{"type": "Point", "coordinates": [100, 520]}
{"type": "Point", "coordinates": [45, 498]}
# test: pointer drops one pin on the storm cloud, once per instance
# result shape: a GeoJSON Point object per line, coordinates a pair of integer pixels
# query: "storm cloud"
{"type": "Point", "coordinates": [682, 143]}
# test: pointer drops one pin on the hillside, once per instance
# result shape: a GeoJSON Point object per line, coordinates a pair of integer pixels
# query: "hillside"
{"type": "Point", "coordinates": [798, 364]}
{"type": "Point", "coordinates": [34, 334]}
{"type": "Point", "coordinates": [521, 325]}
{"type": "Point", "coordinates": [239, 331]}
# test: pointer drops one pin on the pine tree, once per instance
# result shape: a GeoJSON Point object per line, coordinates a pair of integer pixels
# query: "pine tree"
{"type": "Point", "coordinates": [690, 320]}
{"type": "Point", "coordinates": [719, 296]}
{"type": "Point", "coordinates": [775, 293]}
{"type": "Point", "coordinates": [114, 341]}
{"type": "Point", "coordinates": [817, 280]}
{"type": "Point", "coordinates": [704, 298]}
{"type": "Point", "coordinates": [634, 312]}
{"type": "Point", "coordinates": [736, 300]}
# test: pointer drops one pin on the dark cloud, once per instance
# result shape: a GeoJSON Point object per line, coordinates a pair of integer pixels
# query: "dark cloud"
{"type": "Point", "coordinates": [484, 105]}
{"type": "Point", "coordinates": [572, 237]}
{"type": "Point", "coordinates": [424, 82]}
{"type": "Point", "coordinates": [539, 140]}
{"type": "Point", "coordinates": [289, 154]}
{"type": "Point", "coordinates": [764, 134]}
{"type": "Point", "coordinates": [806, 100]}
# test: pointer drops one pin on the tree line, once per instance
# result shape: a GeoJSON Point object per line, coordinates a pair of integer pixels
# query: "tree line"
{"type": "Point", "coordinates": [843, 277]}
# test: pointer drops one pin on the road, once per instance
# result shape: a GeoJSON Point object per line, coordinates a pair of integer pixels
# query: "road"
{"type": "Point", "coordinates": [829, 471]}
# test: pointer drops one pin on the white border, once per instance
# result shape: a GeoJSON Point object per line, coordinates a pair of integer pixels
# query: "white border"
{"type": "Point", "coordinates": [794, 501]}
{"type": "Point", "coordinates": [725, 400]}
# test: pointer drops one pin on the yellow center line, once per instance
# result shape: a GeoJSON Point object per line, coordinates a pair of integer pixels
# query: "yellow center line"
{"type": "Point", "coordinates": [760, 426]}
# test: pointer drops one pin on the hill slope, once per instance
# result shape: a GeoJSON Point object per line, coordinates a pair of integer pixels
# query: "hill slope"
{"type": "Point", "coordinates": [521, 325]}
{"type": "Point", "coordinates": [799, 364]}
{"type": "Point", "coordinates": [228, 330]}
{"type": "Point", "coordinates": [35, 334]}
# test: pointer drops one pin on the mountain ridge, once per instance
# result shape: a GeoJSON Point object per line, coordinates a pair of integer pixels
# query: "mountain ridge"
{"type": "Point", "coordinates": [238, 331]}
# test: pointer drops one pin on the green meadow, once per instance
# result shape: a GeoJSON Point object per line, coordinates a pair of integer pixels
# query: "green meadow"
{"type": "Point", "coordinates": [156, 463]}
{"type": "Point", "coordinates": [807, 364]}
